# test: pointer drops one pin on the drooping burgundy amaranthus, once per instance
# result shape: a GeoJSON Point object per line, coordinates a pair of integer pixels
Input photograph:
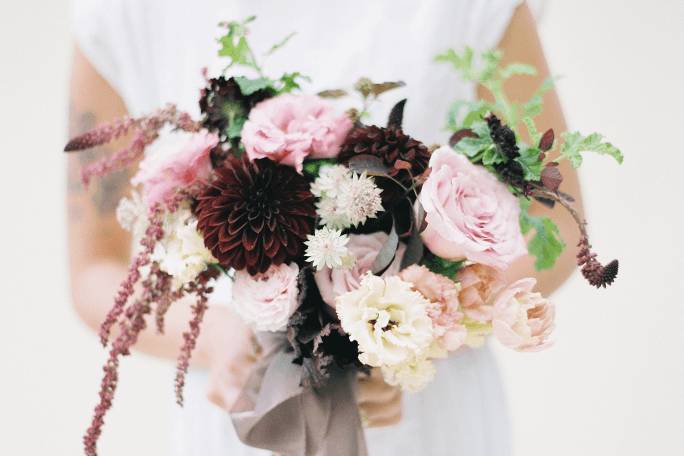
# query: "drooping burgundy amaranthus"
{"type": "Point", "coordinates": [153, 234]}
{"type": "Point", "coordinates": [200, 289]}
{"type": "Point", "coordinates": [146, 130]}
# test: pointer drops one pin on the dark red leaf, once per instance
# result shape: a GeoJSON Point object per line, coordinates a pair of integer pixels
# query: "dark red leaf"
{"type": "Point", "coordinates": [371, 164]}
{"type": "Point", "coordinates": [546, 141]}
{"type": "Point", "coordinates": [551, 176]}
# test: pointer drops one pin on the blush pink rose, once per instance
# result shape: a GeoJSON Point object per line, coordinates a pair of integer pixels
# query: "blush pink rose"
{"type": "Point", "coordinates": [469, 213]}
{"type": "Point", "coordinates": [479, 284]}
{"type": "Point", "coordinates": [523, 319]}
{"type": "Point", "coordinates": [267, 301]}
{"type": "Point", "coordinates": [179, 161]}
{"type": "Point", "coordinates": [289, 128]}
{"type": "Point", "coordinates": [364, 247]}
{"type": "Point", "coordinates": [442, 292]}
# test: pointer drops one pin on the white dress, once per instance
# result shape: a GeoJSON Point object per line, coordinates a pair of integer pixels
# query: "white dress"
{"type": "Point", "coordinates": [152, 52]}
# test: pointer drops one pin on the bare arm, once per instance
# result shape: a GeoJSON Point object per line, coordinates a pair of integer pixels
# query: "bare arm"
{"type": "Point", "coordinates": [521, 44]}
{"type": "Point", "coordinates": [99, 248]}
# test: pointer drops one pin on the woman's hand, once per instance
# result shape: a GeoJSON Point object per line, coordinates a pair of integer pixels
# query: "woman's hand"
{"type": "Point", "coordinates": [379, 403]}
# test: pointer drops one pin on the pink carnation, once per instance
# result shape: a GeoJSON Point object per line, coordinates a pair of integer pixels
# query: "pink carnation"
{"type": "Point", "coordinates": [523, 319]}
{"type": "Point", "coordinates": [479, 284]}
{"type": "Point", "coordinates": [469, 213]}
{"type": "Point", "coordinates": [442, 293]}
{"type": "Point", "coordinates": [364, 248]}
{"type": "Point", "coordinates": [289, 128]}
{"type": "Point", "coordinates": [180, 161]}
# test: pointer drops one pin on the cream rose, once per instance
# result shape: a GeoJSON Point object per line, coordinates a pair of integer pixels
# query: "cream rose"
{"type": "Point", "coordinates": [469, 213]}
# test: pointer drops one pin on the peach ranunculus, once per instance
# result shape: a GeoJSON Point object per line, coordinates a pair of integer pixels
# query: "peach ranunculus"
{"type": "Point", "coordinates": [364, 248]}
{"type": "Point", "coordinates": [479, 284]}
{"type": "Point", "coordinates": [267, 301]}
{"type": "Point", "coordinates": [176, 161]}
{"type": "Point", "coordinates": [289, 128]}
{"type": "Point", "coordinates": [523, 319]}
{"type": "Point", "coordinates": [442, 292]}
{"type": "Point", "coordinates": [469, 213]}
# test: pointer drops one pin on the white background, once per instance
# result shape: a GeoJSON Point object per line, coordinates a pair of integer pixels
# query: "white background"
{"type": "Point", "coordinates": [613, 383]}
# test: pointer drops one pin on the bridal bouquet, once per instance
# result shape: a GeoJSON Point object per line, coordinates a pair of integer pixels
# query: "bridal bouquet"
{"type": "Point", "coordinates": [351, 246]}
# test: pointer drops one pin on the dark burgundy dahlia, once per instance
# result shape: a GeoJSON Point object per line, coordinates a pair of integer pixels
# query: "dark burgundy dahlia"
{"type": "Point", "coordinates": [255, 214]}
{"type": "Point", "coordinates": [390, 144]}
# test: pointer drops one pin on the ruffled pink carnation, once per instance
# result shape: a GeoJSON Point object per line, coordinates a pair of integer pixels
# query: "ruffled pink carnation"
{"type": "Point", "coordinates": [523, 319]}
{"type": "Point", "coordinates": [479, 284]}
{"type": "Point", "coordinates": [469, 213]}
{"type": "Point", "coordinates": [364, 248]}
{"type": "Point", "coordinates": [181, 162]}
{"type": "Point", "coordinates": [289, 128]}
{"type": "Point", "coordinates": [442, 292]}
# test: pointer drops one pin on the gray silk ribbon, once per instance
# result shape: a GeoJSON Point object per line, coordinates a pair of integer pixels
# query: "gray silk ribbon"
{"type": "Point", "coordinates": [275, 413]}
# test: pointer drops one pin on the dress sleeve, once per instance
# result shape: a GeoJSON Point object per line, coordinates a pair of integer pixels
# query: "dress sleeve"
{"type": "Point", "coordinates": [97, 28]}
{"type": "Point", "coordinates": [488, 21]}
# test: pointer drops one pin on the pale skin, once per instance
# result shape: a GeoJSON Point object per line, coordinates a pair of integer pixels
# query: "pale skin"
{"type": "Point", "coordinates": [99, 248]}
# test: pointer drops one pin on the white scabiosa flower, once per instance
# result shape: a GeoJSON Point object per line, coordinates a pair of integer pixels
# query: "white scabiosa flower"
{"type": "Point", "coordinates": [131, 214]}
{"type": "Point", "coordinates": [345, 198]}
{"type": "Point", "coordinates": [328, 248]}
{"type": "Point", "coordinates": [388, 319]}
{"type": "Point", "coordinates": [411, 376]}
{"type": "Point", "coordinates": [181, 252]}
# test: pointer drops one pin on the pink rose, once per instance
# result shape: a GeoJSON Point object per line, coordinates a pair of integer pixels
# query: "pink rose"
{"type": "Point", "coordinates": [479, 284]}
{"type": "Point", "coordinates": [364, 247]}
{"type": "Point", "coordinates": [469, 213]}
{"type": "Point", "coordinates": [180, 161]}
{"type": "Point", "coordinates": [267, 301]}
{"type": "Point", "coordinates": [442, 292]}
{"type": "Point", "coordinates": [523, 319]}
{"type": "Point", "coordinates": [289, 128]}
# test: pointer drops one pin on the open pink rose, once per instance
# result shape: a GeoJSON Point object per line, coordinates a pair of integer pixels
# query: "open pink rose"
{"type": "Point", "coordinates": [178, 161]}
{"type": "Point", "coordinates": [442, 292]}
{"type": "Point", "coordinates": [479, 285]}
{"type": "Point", "coordinates": [364, 247]}
{"type": "Point", "coordinates": [469, 213]}
{"type": "Point", "coordinates": [289, 128]}
{"type": "Point", "coordinates": [523, 319]}
{"type": "Point", "coordinates": [266, 301]}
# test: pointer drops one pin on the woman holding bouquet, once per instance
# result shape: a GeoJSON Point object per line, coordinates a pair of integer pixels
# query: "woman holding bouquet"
{"type": "Point", "coordinates": [132, 56]}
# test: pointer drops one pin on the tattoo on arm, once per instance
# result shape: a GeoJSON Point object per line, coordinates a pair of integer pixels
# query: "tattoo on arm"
{"type": "Point", "coordinates": [106, 192]}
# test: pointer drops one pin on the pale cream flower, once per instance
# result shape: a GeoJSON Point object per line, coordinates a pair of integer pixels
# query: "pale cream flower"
{"type": "Point", "coordinates": [411, 376]}
{"type": "Point", "coordinates": [181, 252]}
{"type": "Point", "coordinates": [388, 319]}
{"type": "Point", "coordinates": [131, 213]}
{"type": "Point", "coordinates": [328, 248]}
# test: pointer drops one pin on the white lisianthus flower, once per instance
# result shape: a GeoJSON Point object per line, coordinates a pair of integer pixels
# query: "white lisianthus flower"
{"type": "Point", "coordinates": [411, 376]}
{"type": "Point", "coordinates": [328, 248]}
{"type": "Point", "coordinates": [181, 252]}
{"type": "Point", "coordinates": [345, 198]}
{"type": "Point", "coordinates": [131, 213]}
{"type": "Point", "coordinates": [388, 319]}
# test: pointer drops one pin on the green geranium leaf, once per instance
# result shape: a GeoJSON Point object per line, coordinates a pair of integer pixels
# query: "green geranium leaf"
{"type": "Point", "coordinates": [530, 162]}
{"type": "Point", "coordinates": [249, 86]}
{"type": "Point", "coordinates": [515, 69]}
{"type": "Point", "coordinates": [546, 244]}
{"type": "Point", "coordinates": [441, 266]}
{"type": "Point", "coordinates": [574, 144]}
{"type": "Point", "coordinates": [292, 81]}
{"type": "Point", "coordinates": [313, 167]}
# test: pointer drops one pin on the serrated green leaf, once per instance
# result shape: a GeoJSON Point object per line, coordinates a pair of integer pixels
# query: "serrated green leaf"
{"type": "Point", "coordinates": [249, 86]}
{"type": "Point", "coordinates": [292, 81]}
{"type": "Point", "coordinates": [574, 144]}
{"type": "Point", "coordinates": [518, 69]}
{"type": "Point", "coordinates": [535, 136]}
{"type": "Point", "coordinates": [530, 162]}
{"type": "Point", "coordinates": [441, 266]}
{"type": "Point", "coordinates": [546, 245]}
